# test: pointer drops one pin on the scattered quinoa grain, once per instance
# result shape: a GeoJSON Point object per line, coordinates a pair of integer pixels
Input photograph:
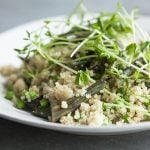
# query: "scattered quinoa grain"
{"type": "Point", "coordinates": [64, 104]}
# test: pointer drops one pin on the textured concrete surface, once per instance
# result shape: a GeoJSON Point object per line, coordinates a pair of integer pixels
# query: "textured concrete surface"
{"type": "Point", "coordinates": [14, 136]}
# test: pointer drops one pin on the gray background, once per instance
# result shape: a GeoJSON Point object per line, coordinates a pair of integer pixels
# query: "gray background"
{"type": "Point", "coordinates": [14, 136]}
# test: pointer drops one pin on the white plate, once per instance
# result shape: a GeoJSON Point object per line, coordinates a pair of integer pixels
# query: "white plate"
{"type": "Point", "coordinates": [13, 39]}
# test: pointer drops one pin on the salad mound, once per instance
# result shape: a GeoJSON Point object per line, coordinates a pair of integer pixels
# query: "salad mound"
{"type": "Point", "coordinates": [96, 72]}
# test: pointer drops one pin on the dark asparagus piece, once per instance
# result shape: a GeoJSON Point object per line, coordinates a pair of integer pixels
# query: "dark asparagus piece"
{"type": "Point", "coordinates": [37, 110]}
{"type": "Point", "coordinates": [74, 102]}
{"type": "Point", "coordinates": [42, 112]}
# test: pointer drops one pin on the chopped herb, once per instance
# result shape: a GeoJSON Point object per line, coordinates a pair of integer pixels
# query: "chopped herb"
{"type": "Point", "coordinates": [131, 49]}
{"type": "Point", "coordinates": [125, 118]}
{"type": "Point", "coordinates": [9, 95]}
{"type": "Point", "coordinates": [44, 103]}
{"type": "Point", "coordinates": [20, 104]}
{"type": "Point", "coordinates": [30, 95]}
{"type": "Point", "coordinates": [83, 77]}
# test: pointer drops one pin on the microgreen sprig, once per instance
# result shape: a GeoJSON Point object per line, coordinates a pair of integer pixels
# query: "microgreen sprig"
{"type": "Point", "coordinates": [100, 35]}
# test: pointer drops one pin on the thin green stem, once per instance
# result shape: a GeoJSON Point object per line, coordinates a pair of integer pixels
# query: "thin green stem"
{"type": "Point", "coordinates": [127, 63]}
{"type": "Point", "coordinates": [60, 43]}
{"type": "Point", "coordinates": [44, 55]}
{"type": "Point", "coordinates": [61, 65]}
{"type": "Point", "coordinates": [81, 58]}
{"type": "Point", "coordinates": [82, 43]}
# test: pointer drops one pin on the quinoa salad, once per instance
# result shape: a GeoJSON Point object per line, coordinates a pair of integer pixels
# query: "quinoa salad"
{"type": "Point", "coordinates": [95, 73]}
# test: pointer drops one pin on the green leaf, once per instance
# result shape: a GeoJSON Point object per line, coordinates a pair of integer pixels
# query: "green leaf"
{"type": "Point", "coordinates": [105, 107]}
{"type": "Point", "coordinates": [30, 94]}
{"type": "Point", "coordinates": [9, 95]}
{"type": "Point", "coordinates": [29, 75]}
{"type": "Point", "coordinates": [47, 21]}
{"type": "Point", "coordinates": [44, 103]}
{"type": "Point", "coordinates": [131, 49]}
{"type": "Point", "coordinates": [20, 104]}
{"type": "Point", "coordinates": [24, 50]}
{"type": "Point", "coordinates": [48, 33]}
{"type": "Point", "coordinates": [137, 75]}
{"type": "Point", "coordinates": [20, 51]}
{"type": "Point", "coordinates": [28, 34]}
{"type": "Point", "coordinates": [83, 77]}
{"type": "Point", "coordinates": [144, 45]}
{"type": "Point", "coordinates": [145, 48]}
{"type": "Point", "coordinates": [125, 118]}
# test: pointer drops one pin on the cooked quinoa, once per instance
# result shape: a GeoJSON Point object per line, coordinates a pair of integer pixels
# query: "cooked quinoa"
{"type": "Point", "coordinates": [95, 74]}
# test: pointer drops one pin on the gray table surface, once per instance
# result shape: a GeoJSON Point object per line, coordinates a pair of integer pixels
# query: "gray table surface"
{"type": "Point", "coordinates": [14, 136]}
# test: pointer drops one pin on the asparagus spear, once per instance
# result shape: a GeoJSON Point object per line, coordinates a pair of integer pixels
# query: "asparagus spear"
{"type": "Point", "coordinates": [73, 103]}
{"type": "Point", "coordinates": [35, 108]}
{"type": "Point", "coordinates": [42, 112]}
